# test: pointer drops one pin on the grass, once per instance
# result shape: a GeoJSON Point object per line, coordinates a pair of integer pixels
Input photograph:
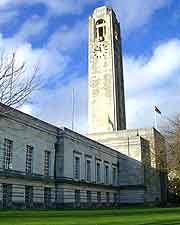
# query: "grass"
{"type": "Point", "coordinates": [123, 216]}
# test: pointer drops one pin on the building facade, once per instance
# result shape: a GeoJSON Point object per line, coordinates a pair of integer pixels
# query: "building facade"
{"type": "Point", "coordinates": [45, 166]}
{"type": "Point", "coordinates": [42, 165]}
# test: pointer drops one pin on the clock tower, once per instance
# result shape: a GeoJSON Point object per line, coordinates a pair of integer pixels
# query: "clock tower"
{"type": "Point", "coordinates": [106, 103]}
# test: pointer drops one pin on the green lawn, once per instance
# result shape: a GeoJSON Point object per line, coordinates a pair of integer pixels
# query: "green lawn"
{"type": "Point", "coordinates": [124, 216]}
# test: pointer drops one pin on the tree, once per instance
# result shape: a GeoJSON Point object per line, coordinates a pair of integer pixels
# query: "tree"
{"type": "Point", "coordinates": [172, 135]}
{"type": "Point", "coordinates": [15, 85]}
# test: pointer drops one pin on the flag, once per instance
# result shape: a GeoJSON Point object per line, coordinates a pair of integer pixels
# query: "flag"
{"type": "Point", "coordinates": [110, 122]}
{"type": "Point", "coordinates": [157, 110]}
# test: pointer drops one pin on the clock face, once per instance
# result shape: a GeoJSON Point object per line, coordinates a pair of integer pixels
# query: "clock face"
{"type": "Point", "coordinates": [100, 50]}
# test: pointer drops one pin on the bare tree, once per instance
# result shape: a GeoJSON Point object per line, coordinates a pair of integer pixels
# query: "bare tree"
{"type": "Point", "coordinates": [172, 135]}
{"type": "Point", "coordinates": [15, 86]}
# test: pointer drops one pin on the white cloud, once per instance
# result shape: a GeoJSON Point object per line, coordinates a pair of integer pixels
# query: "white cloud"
{"type": "Point", "coordinates": [69, 38]}
{"type": "Point", "coordinates": [55, 105]}
{"type": "Point", "coordinates": [59, 7]}
{"type": "Point", "coordinates": [6, 16]}
{"type": "Point", "coordinates": [33, 26]}
{"type": "Point", "coordinates": [144, 76]}
{"type": "Point", "coordinates": [148, 84]}
{"type": "Point", "coordinates": [26, 109]}
{"type": "Point", "coordinates": [140, 108]}
{"type": "Point", "coordinates": [143, 73]}
{"type": "Point", "coordinates": [132, 14]}
{"type": "Point", "coordinates": [4, 2]}
{"type": "Point", "coordinates": [135, 13]}
{"type": "Point", "coordinates": [163, 64]}
{"type": "Point", "coordinates": [49, 61]}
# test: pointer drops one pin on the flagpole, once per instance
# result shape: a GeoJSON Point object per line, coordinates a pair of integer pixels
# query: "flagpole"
{"type": "Point", "coordinates": [156, 111]}
{"type": "Point", "coordinates": [155, 119]}
{"type": "Point", "coordinates": [73, 109]}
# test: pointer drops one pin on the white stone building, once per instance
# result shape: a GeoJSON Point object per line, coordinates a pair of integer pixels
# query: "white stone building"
{"type": "Point", "coordinates": [42, 165]}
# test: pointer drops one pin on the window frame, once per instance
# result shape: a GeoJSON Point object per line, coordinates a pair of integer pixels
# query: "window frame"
{"type": "Point", "coordinates": [89, 196]}
{"type": "Point", "coordinates": [98, 197]}
{"type": "Point", "coordinates": [29, 196]}
{"type": "Point", "coordinates": [88, 167]}
{"type": "Point", "coordinates": [7, 190]}
{"type": "Point", "coordinates": [29, 159]}
{"type": "Point", "coordinates": [106, 174]}
{"type": "Point", "coordinates": [47, 163]}
{"type": "Point", "coordinates": [114, 175]}
{"type": "Point", "coordinates": [47, 197]}
{"type": "Point", "coordinates": [98, 172]}
{"type": "Point", "coordinates": [107, 197]}
{"type": "Point", "coordinates": [77, 196]}
{"type": "Point", "coordinates": [8, 154]}
{"type": "Point", "coordinates": [77, 167]}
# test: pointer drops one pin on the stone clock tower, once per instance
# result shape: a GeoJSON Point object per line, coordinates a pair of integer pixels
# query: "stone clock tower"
{"type": "Point", "coordinates": [106, 110]}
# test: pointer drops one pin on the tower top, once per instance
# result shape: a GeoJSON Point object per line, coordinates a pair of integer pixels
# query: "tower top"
{"type": "Point", "coordinates": [103, 11]}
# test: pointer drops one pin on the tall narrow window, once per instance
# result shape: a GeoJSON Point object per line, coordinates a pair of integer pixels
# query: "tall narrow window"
{"type": "Point", "coordinates": [47, 197]}
{"type": "Point", "coordinates": [106, 174]}
{"type": "Point", "coordinates": [98, 172]}
{"type": "Point", "coordinates": [8, 145]}
{"type": "Point", "coordinates": [88, 196]}
{"type": "Point", "coordinates": [100, 29]}
{"type": "Point", "coordinates": [114, 176]}
{"type": "Point", "coordinates": [29, 158]}
{"type": "Point", "coordinates": [7, 195]}
{"type": "Point", "coordinates": [88, 170]}
{"type": "Point", "coordinates": [47, 163]}
{"type": "Point", "coordinates": [98, 197]}
{"type": "Point", "coordinates": [101, 32]}
{"type": "Point", "coordinates": [107, 197]}
{"type": "Point", "coordinates": [77, 167]}
{"type": "Point", "coordinates": [77, 197]}
{"type": "Point", "coordinates": [29, 196]}
{"type": "Point", "coordinates": [115, 198]}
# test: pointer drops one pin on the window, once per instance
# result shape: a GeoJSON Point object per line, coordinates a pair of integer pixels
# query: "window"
{"type": "Point", "coordinates": [29, 155]}
{"type": "Point", "coordinates": [47, 197]}
{"type": "Point", "coordinates": [101, 32]}
{"type": "Point", "coordinates": [106, 174]}
{"type": "Point", "coordinates": [8, 145]}
{"type": "Point", "coordinates": [107, 197]}
{"type": "Point", "coordinates": [47, 163]}
{"type": "Point", "coordinates": [115, 197]}
{"type": "Point", "coordinates": [98, 197]}
{"type": "Point", "coordinates": [77, 196]}
{"type": "Point", "coordinates": [100, 29]}
{"type": "Point", "coordinates": [88, 170]}
{"type": "Point", "coordinates": [28, 196]}
{"type": "Point", "coordinates": [114, 176]}
{"type": "Point", "coordinates": [98, 172]}
{"type": "Point", "coordinates": [88, 196]}
{"type": "Point", "coordinates": [77, 167]}
{"type": "Point", "coordinates": [7, 195]}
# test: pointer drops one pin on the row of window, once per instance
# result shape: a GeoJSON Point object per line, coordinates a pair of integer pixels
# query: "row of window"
{"type": "Point", "coordinates": [47, 196]}
{"type": "Point", "coordinates": [98, 196]}
{"type": "Point", "coordinates": [8, 153]}
{"type": "Point", "coordinates": [7, 196]}
{"type": "Point", "coordinates": [98, 171]}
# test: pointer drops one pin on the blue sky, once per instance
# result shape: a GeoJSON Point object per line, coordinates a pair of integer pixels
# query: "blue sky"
{"type": "Point", "coordinates": [54, 33]}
